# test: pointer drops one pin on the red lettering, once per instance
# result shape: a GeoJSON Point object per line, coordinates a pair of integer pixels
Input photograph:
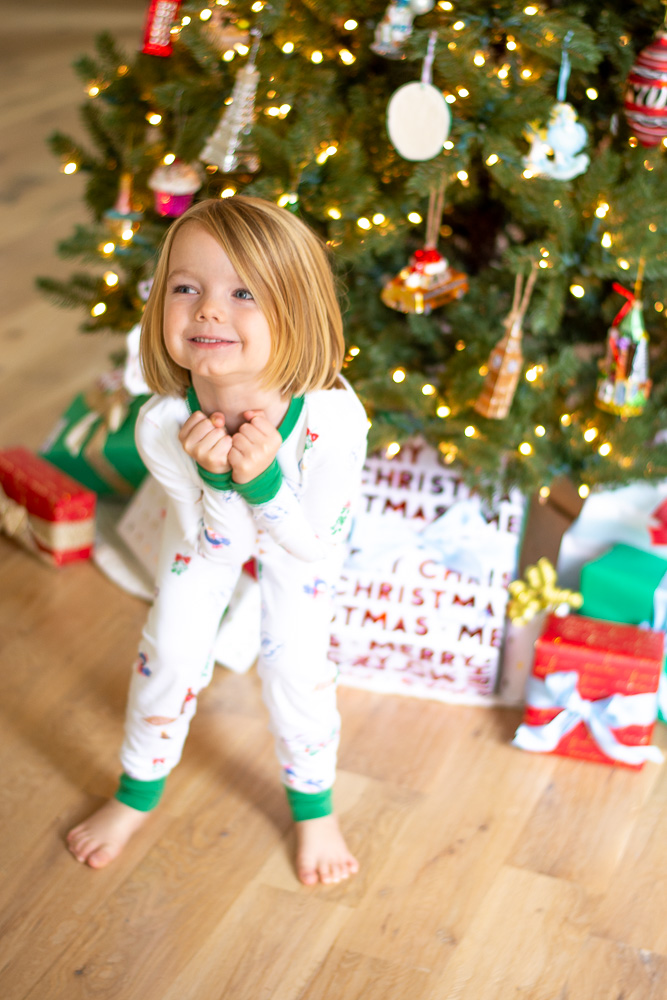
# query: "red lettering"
{"type": "Point", "coordinates": [422, 627]}
{"type": "Point", "coordinates": [470, 602]}
{"type": "Point", "coordinates": [422, 570]}
{"type": "Point", "coordinates": [388, 505]}
{"type": "Point", "coordinates": [404, 480]}
{"type": "Point", "coordinates": [361, 588]}
{"type": "Point", "coordinates": [385, 591]}
{"type": "Point", "coordinates": [417, 596]}
{"type": "Point", "coordinates": [376, 619]}
{"type": "Point", "coordinates": [400, 626]}
{"type": "Point", "coordinates": [470, 633]}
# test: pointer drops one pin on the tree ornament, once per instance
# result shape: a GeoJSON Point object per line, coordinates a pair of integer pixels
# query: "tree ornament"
{"type": "Point", "coordinates": [428, 281]}
{"type": "Point", "coordinates": [646, 94]}
{"type": "Point", "coordinates": [174, 185]}
{"type": "Point", "coordinates": [506, 359]}
{"type": "Point", "coordinates": [121, 218]}
{"type": "Point", "coordinates": [230, 147]}
{"type": "Point", "coordinates": [555, 152]}
{"type": "Point", "coordinates": [160, 18]}
{"type": "Point", "coordinates": [625, 386]}
{"type": "Point", "coordinates": [396, 26]}
{"type": "Point", "coordinates": [418, 117]}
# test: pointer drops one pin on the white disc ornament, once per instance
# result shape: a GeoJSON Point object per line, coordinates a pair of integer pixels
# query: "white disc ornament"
{"type": "Point", "coordinates": [418, 121]}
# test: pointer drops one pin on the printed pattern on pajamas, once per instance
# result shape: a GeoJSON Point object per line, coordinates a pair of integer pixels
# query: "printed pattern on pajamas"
{"type": "Point", "coordinates": [209, 534]}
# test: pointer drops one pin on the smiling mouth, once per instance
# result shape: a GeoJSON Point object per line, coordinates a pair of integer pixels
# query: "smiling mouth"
{"type": "Point", "coordinates": [210, 340]}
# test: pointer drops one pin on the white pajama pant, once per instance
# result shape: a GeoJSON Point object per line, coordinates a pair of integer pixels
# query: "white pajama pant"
{"type": "Point", "coordinates": [175, 661]}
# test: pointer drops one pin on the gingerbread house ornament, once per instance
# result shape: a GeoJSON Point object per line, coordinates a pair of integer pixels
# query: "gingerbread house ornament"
{"type": "Point", "coordinates": [506, 359]}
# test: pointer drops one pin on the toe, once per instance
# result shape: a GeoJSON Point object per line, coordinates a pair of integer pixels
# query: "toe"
{"type": "Point", "coordinates": [100, 857]}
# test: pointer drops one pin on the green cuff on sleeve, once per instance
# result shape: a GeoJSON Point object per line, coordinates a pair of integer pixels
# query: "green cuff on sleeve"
{"type": "Point", "coordinates": [263, 487]}
{"type": "Point", "coordinates": [307, 805]}
{"type": "Point", "coordinates": [218, 480]}
{"type": "Point", "coordinates": [141, 795]}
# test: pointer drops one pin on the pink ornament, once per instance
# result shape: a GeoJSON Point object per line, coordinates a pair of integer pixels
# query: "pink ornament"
{"type": "Point", "coordinates": [646, 95]}
{"type": "Point", "coordinates": [174, 186]}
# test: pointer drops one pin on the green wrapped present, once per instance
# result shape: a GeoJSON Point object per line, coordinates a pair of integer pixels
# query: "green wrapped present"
{"type": "Point", "coordinates": [624, 585]}
{"type": "Point", "coordinates": [94, 440]}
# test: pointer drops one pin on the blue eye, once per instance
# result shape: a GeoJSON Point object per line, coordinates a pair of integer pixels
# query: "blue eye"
{"type": "Point", "coordinates": [183, 289]}
{"type": "Point", "coordinates": [243, 293]}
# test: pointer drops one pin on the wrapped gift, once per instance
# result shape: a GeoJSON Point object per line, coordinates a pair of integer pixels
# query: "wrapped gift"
{"type": "Point", "coordinates": [532, 598]}
{"type": "Point", "coordinates": [593, 691]}
{"type": "Point", "coordinates": [628, 585]}
{"type": "Point", "coordinates": [94, 440]}
{"type": "Point", "coordinates": [45, 510]}
{"type": "Point", "coordinates": [420, 608]}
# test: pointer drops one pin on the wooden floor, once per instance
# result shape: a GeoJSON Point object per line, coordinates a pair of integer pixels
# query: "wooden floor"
{"type": "Point", "coordinates": [486, 872]}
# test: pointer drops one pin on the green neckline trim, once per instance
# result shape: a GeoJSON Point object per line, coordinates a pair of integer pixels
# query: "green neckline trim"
{"type": "Point", "coordinates": [287, 424]}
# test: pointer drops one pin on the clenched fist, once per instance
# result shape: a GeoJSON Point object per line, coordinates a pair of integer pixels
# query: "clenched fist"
{"type": "Point", "coordinates": [206, 440]}
{"type": "Point", "coordinates": [253, 447]}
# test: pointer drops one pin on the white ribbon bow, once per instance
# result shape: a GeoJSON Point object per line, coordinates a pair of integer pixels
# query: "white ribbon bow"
{"type": "Point", "coordinates": [460, 539]}
{"type": "Point", "coordinates": [559, 690]}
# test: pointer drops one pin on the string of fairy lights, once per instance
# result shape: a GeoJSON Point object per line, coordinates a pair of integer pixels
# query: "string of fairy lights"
{"type": "Point", "coordinates": [514, 65]}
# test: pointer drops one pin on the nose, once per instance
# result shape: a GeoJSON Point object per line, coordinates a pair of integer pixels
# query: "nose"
{"type": "Point", "coordinates": [211, 309]}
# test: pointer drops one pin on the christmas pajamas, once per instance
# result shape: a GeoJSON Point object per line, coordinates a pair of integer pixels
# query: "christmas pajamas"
{"type": "Point", "coordinates": [296, 536]}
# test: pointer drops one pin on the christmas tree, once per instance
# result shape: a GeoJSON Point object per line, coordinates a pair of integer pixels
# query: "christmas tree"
{"type": "Point", "coordinates": [496, 217]}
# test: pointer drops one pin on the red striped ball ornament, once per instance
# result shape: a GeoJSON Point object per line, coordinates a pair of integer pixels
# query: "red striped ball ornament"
{"type": "Point", "coordinates": [646, 92]}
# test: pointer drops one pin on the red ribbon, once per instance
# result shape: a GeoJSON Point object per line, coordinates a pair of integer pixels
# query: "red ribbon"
{"type": "Point", "coordinates": [627, 306]}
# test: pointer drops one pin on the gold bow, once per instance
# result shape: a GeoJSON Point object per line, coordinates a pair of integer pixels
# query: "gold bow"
{"type": "Point", "coordinates": [15, 523]}
{"type": "Point", "coordinates": [107, 413]}
{"type": "Point", "coordinates": [538, 592]}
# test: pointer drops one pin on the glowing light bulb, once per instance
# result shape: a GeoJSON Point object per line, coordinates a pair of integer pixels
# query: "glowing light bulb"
{"type": "Point", "coordinates": [398, 375]}
{"type": "Point", "coordinates": [624, 264]}
{"type": "Point", "coordinates": [229, 55]}
{"type": "Point", "coordinates": [450, 98]}
{"type": "Point", "coordinates": [543, 264]}
{"type": "Point", "coordinates": [288, 47]}
{"type": "Point", "coordinates": [503, 72]}
{"type": "Point", "coordinates": [364, 223]}
{"type": "Point", "coordinates": [257, 6]}
{"type": "Point", "coordinates": [592, 94]}
{"type": "Point", "coordinates": [393, 449]}
{"type": "Point", "coordinates": [483, 370]}
{"type": "Point", "coordinates": [351, 24]}
{"type": "Point", "coordinates": [525, 448]}
{"type": "Point", "coordinates": [658, 306]}
{"type": "Point", "coordinates": [111, 278]}
{"type": "Point", "coordinates": [414, 217]}
{"type": "Point", "coordinates": [531, 374]}
{"type": "Point", "coordinates": [602, 210]}
{"type": "Point", "coordinates": [334, 213]}
{"type": "Point", "coordinates": [578, 291]}
{"type": "Point", "coordinates": [169, 158]}
{"type": "Point", "coordinates": [108, 248]}
{"type": "Point", "coordinates": [378, 219]}
{"type": "Point", "coordinates": [93, 91]}
{"type": "Point", "coordinates": [510, 44]}
{"type": "Point", "coordinates": [606, 240]}
{"type": "Point", "coordinates": [242, 49]}
{"type": "Point", "coordinates": [460, 345]}
{"type": "Point", "coordinates": [462, 175]}
{"type": "Point", "coordinates": [583, 491]}
{"type": "Point", "coordinates": [459, 25]}
{"type": "Point", "coordinates": [445, 5]}
{"type": "Point", "coordinates": [470, 431]}
{"type": "Point", "coordinates": [526, 73]}
{"type": "Point", "coordinates": [566, 419]}
{"type": "Point", "coordinates": [604, 449]}
{"type": "Point", "coordinates": [153, 118]}
{"type": "Point", "coordinates": [205, 14]}
{"type": "Point", "coordinates": [428, 389]}
{"type": "Point", "coordinates": [591, 434]}
{"type": "Point", "coordinates": [479, 59]}
{"type": "Point", "coordinates": [544, 492]}
{"type": "Point", "coordinates": [354, 351]}
{"type": "Point", "coordinates": [530, 10]}
{"type": "Point", "coordinates": [347, 57]}
{"type": "Point", "coordinates": [127, 234]}
{"type": "Point", "coordinates": [540, 431]}
{"type": "Point", "coordinates": [448, 144]}
{"type": "Point", "coordinates": [186, 20]}
{"type": "Point", "coordinates": [463, 92]}
{"type": "Point", "coordinates": [652, 228]}
{"type": "Point", "coordinates": [490, 160]}
{"type": "Point", "coordinates": [70, 168]}
{"type": "Point", "coordinates": [316, 56]}
{"type": "Point", "coordinates": [443, 411]}
{"type": "Point", "coordinates": [98, 309]}
{"type": "Point", "coordinates": [228, 192]}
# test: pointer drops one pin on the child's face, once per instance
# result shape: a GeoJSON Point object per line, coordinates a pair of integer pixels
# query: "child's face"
{"type": "Point", "coordinates": [212, 325]}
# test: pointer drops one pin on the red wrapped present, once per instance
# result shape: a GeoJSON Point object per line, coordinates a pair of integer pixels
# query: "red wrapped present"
{"type": "Point", "coordinates": [594, 691]}
{"type": "Point", "coordinates": [44, 509]}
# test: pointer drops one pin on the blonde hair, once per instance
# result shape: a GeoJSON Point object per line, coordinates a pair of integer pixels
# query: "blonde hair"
{"type": "Point", "coordinates": [286, 268]}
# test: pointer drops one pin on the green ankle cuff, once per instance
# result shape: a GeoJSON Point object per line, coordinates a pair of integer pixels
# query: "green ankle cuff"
{"type": "Point", "coordinates": [306, 805]}
{"type": "Point", "coordinates": [141, 795]}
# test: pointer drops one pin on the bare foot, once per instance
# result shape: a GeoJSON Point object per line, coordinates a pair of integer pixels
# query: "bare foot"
{"type": "Point", "coordinates": [101, 838]}
{"type": "Point", "coordinates": [321, 854]}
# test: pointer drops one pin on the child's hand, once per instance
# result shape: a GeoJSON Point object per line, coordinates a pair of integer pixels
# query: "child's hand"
{"type": "Point", "coordinates": [206, 440]}
{"type": "Point", "coordinates": [254, 447]}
